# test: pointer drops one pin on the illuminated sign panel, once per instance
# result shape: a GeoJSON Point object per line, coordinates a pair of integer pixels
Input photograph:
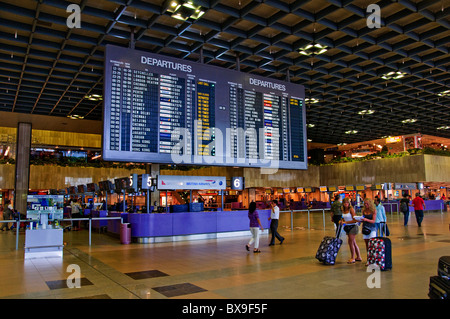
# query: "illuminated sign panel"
{"type": "Point", "coordinates": [159, 109]}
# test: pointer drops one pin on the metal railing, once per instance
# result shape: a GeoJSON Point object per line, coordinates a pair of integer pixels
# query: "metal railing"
{"type": "Point", "coordinates": [90, 219]}
{"type": "Point", "coordinates": [309, 215]}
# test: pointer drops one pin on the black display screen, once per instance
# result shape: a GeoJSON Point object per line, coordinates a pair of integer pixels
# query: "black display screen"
{"type": "Point", "coordinates": [158, 109]}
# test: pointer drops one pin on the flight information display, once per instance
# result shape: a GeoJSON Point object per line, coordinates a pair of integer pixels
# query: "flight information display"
{"type": "Point", "coordinates": [159, 109]}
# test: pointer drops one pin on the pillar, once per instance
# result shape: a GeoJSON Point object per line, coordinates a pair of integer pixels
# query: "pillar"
{"type": "Point", "coordinates": [22, 174]}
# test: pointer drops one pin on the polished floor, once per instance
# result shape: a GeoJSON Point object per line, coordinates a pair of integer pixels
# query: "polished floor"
{"type": "Point", "coordinates": [223, 269]}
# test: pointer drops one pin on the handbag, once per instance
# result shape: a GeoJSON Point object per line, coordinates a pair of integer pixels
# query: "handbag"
{"type": "Point", "coordinates": [366, 230]}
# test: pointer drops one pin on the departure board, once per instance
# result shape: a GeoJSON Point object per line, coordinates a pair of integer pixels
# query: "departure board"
{"type": "Point", "coordinates": [159, 109]}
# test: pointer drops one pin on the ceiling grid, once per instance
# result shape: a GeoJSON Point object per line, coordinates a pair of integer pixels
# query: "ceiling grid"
{"type": "Point", "coordinates": [354, 89]}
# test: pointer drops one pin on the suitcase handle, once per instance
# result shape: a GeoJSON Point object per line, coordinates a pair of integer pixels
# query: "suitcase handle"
{"type": "Point", "coordinates": [442, 291]}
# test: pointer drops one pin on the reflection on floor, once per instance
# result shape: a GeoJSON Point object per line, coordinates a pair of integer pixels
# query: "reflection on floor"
{"type": "Point", "coordinates": [223, 269]}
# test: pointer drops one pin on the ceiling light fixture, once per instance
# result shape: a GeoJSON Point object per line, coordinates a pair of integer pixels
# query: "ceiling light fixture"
{"type": "Point", "coordinates": [310, 125]}
{"type": "Point", "coordinates": [182, 10]}
{"type": "Point", "coordinates": [393, 75]}
{"type": "Point", "coordinates": [409, 121]}
{"type": "Point", "coordinates": [94, 97]}
{"type": "Point", "coordinates": [364, 112]}
{"type": "Point", "coordinates": [75, 117]}
{"type": "Point", "coordinates": [444, 93]}
{"type": "Point", "coordinates": [311, 100]}
{"type": "Point", "coordinates": [443, 127]}
{"type": "Point", "coordinates": [313, 49]}
{"type": "Point", "coordinates": [351, 132]}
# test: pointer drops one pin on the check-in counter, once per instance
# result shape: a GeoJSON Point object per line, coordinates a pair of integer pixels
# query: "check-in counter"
{"type": "Point", "coordinates": [97, 224]}
{"type": "Point", "coordinates": [114, 224]}
{"type": "Point", "coordinates": [430, 205]}
{"type": "Point", "coordinates": [192, 225]}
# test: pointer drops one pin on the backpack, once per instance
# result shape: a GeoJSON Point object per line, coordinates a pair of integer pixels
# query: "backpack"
{"type": "Point", "coordinates": [404, 207]}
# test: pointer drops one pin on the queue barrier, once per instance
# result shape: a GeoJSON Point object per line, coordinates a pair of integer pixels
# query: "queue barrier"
{"type": "Point", "coordinates": [309, 215]}
{"type": "Point", "coordinates": [442, 209]}
{"type": "Point", "coordinates": [90, 219]}
{"type": "Point", "coordinates": [18, 221]}
{"type": "Point", "coordinates": [323, 213]}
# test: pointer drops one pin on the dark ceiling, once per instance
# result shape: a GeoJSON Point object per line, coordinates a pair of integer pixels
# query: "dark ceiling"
{"type": "Point", "coordinates": [47, 68]}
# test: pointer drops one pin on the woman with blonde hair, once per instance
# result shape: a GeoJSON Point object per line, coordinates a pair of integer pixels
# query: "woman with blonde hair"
{"type": "Point", "coordinates": [351, 228]}
{"type": "Point", "coordinates": [369, 212]}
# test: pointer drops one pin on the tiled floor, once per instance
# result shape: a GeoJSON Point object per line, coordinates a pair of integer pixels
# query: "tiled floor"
{"type": "Point", "coordinates": [223, 269]}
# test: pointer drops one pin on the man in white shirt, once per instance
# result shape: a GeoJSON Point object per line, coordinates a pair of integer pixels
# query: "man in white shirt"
{"type": "Point", "coordinates": [274, 216]}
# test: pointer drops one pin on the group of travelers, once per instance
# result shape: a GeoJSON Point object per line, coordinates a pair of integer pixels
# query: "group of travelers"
{"type": "Point", "coordinates": [419, 205]}
{"type": "Point", "coordinates": [372, 222]}
{"type": "Point", "coordinates": [255, 225]}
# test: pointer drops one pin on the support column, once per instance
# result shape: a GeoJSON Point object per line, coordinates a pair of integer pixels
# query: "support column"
{"type": "Point", "coordinates": [153, 170]}
{"type": "Point", "coordinates": [22, 176]}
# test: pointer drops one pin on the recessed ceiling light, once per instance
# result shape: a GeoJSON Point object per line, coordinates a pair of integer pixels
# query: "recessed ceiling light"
{"type": "Point", "coordinates": [393, 75]}
{"type": "Point", "coordinates": [311, 100]}
{"type": "Point", "coordinates": [75, 117]}
{"type": "Point", "coordinates": [363, 112]}
{"type": "Point", "coordinates": [444, 93]}
{"type": "Point", "coordinates": [409, 121]}
{"type": "Point", "coordinates": [313, 49]}
{"type": "Point", "coordinates": [309, 140]}
{"type": "Point", "coordinates": [310, 125]}
{"type": "Point", "coordinates": [184, 10]}
{"type": "Point", "coordinates": [94, 97]}
{"type": "Point", "coordinates": [351, 132]}
{"type": "Point", "coordinates": [443, 127]}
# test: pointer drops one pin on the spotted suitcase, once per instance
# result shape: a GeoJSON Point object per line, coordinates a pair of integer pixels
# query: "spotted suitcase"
{"type": "Point", "coordinates": [380, 253]}
{"type": "Point", "coordinates": [329, 248]}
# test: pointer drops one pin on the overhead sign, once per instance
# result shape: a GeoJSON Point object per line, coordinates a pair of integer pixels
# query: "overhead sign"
{"type": "Point", "coordinates": [237, 183]}
{"type": "Point", "coordinates": [393, 139]}
{"type": "Point", "coordinates": [160, 109]}
{"type": "Point", "coordinates": [405, 186]}
{"type": "Point", "coordinates": [166, 182]}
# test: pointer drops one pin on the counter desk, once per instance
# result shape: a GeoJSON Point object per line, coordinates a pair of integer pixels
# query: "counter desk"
{"type": "Point", "coordinates": [430, 205]}
{"type": "Point", "coordinates": [167, 227]}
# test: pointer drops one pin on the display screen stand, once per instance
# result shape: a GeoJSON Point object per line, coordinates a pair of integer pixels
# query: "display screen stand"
{"type": "Point", "coordinates": [44, 243]}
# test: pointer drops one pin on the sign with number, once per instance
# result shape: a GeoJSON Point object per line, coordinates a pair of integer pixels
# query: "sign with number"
{"type": "Point", "coordinates": [237, 183]}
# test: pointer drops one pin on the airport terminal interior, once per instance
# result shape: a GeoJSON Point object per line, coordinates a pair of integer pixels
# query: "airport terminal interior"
{"type": "Point", "coordinates": [137, 137]}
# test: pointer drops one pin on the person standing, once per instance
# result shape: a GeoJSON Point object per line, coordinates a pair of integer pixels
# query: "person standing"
{"type": "Point", "coordinates": [336, 211]}
{"type": "Point", "coordinates": [380, 223]}
{"type": "Point", "coordinates": [7, 214]}
{"type": "Point", "coordinates": [404, 208]}
{"type": "Point", "coordinates": [419, 206]}
{"type": "Point", "coordinates": [351, 228]}
{"type": "Point", "coordinates": [274, 217]}
{"type": "Point", "coordinates": [255, 224]}
{"type": "Point", "coordinates": [369, 218]}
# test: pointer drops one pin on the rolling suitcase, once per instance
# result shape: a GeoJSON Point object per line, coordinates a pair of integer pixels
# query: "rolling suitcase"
{"type": "Point", "coordinates": [439, 288]}
{"type": "Point", "coordinates": [380, 253]}
{"type": "Point", "coordinates": [444, 267]}
{"type": "Point", "coordinates": [329, 248]}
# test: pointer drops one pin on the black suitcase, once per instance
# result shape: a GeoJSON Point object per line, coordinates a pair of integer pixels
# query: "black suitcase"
{"type": "Point", "coordinates": [439, 288]}
{"type": "Point", "coordinates": [329, 248]}
{"type": "Point", "coordinates": [380, 252]}
{"type": "Point", "coordinates": [444, 267]}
